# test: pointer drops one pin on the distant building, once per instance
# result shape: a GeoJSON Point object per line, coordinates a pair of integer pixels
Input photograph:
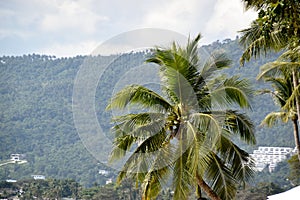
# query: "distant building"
{"type": "Point", "coordinates": [108, 181]}
{"type": "Point", "coordinates": [270, 156]}
{"type": "Point", "coordinates": [103, 172]}
{"type": "Point", "coordinates": [38, 177]}
{"type": "Point", "coordinates": [11, 181]}
{"type": "Point", "coordinates": [15, 157]}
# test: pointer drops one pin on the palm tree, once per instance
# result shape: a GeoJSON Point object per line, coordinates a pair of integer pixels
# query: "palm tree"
{"type": "Point", "coordinates": [276, 28]}
{"type": "Point", "coordinates": [278, 73]}
{"type": "Point", "coordinates": [187, 130]}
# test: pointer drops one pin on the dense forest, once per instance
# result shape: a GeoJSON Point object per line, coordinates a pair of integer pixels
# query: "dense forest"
{"type": "Point", "coordinates": [37, 120]}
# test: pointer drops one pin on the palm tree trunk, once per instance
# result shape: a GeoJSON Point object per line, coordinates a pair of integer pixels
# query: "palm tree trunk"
{"type": "Point", "coordinates": [296, 136]}
{"type": "Point", "coordinates": [295, 122]}
{"type": "Point", "coordinates": [295, 84]}
{"type": "Point", "coordinates": [209, 192]}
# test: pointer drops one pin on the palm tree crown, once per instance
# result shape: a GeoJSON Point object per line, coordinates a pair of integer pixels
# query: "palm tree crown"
{"type": "Point", "coordinates": [276, 28]}
{"type": "Point", "coordinates": [185, 133]}
{"type": "Point", "coordinates": [279, 74]}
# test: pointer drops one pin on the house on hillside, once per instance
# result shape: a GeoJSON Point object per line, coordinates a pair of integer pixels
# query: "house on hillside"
{"type": "Point", "coordinates": [16, 157]}
{"type": "Point", "coordinates": [270, 156]}
{"type": "Point", "coordinates": [38, 177]}
{"type": "Point", "coordinates": [103, 172]}
{"type": "Point", "coordinates": [108, 181]}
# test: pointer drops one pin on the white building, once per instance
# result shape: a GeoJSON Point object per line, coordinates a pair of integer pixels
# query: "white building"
{"type": "Point", "coordinates": [103, 172]}
{"type": "Point", "coordinates": [108, 181]}
{"type": "Point", "coordinates": [11, 181]}
{"type": "Point", "coordinates": [15, 157]}
{"type": "Point", "coordinates": [264, 156]}
{"type": "Point", "coordinates": [38, 177]}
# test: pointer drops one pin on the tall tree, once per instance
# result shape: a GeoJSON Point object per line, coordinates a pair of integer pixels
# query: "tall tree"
{"type": "Point", "coordinates": [188, 129]}
{"type": "Point", "coordinates": [276, 28]}
{"type": "Point", "coordinates": [281, 80]}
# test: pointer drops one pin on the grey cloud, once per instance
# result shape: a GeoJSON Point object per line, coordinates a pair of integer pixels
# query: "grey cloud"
{"type": "Point", "coordinates": [39, 24]}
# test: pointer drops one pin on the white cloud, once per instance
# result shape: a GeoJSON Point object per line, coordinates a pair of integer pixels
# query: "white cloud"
{"type": "Point", "coordinates": [228, 17]}
{"type": "Point", "coordinates": [185, 17]}
{"type": "Point", "coordinates": [72, 15]}
{"type": "Point", "coordinates": [139, 39]}
{"type": "Point", "coordinates": [61, 24]}
{"type": "Point", "coordinates": [69, 50]}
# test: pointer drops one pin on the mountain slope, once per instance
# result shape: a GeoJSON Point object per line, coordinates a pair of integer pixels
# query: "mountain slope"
{"type": "Point", "coordinates": [36, 116]}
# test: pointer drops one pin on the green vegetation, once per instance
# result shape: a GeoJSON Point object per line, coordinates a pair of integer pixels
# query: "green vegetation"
{"type": "Point", "coordinates": [195, 111]}
{"type": "Point", "coordinates": [36, 118]}
{"type": "Point", "coordinates": [67, 188]}
{"type": "Point", "coordinates": [36, 112]}
{"type": "Point", "coordinates": [282, 85]}
{"type": "Point", "coordinates": [40, 189]}
{"type": "Point", "coordinates": [277, 28]}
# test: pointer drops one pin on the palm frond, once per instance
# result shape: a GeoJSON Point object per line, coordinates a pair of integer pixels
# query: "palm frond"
{"type": "Point", "coordinates": [281, 79]}
{"type": "Point", "coordinates": [178, 67]}
{"type": "Point", "coordinates": [290, 102]}
{"type": "Point", "coordinates": [191, 51]}
{"type": "Point", "coordinates": [176, 60]}
{"type": "Point", "coordinates": [138, 165]}
{"type": "Point", "coordinates": [182, 179]}
{"type": "Point", "coordinates": [120, 146]}
{"type": "Point", "coordinates": [152, 184]}
{"type": "Point", "coordinates": [207, 123]}
{"type": "Point", "coordinates": [240, 162]}
{"type": "Point", "coordinates": [292, 54]}
{"type": "Point", "coordinates": [256, 4]}
{"type": "Point", "coordinates": [276, 68]}
{"type": "Point", "coordinates": [258, 39]}
{"type": "Point", "coordinates": [219, 177]}
{"type": "Point", "coordinates": [174, 99]}
{"type": "Point", "coordinates": [180, 86]}
{"type": "Point", "coordinates": [138, 118]}
{"type": "Point", "coordinates": [277, 97]}
{"type": "Point", "coordinates": [197, 149]}
{"type": "Point", "coordinates": [233, 91]}
{"type": "Point", "coordinates": [267, 91]}
{"type": "Point", "coordinates": [158, 173]}
{"type": "Point", "coordinates": [136, 94]}
{"type": "Point", "coordinates": [140, 161]}
{"type": "Point", "coordinates": [132, 128]}
{"type": "Point", "coordinates": [216, 61]}
{"type": "Point", "coordinates": [141, 125]}
{"type": "Point", "coordinates": [273, 117]}
{"type": "Point", "coordinates": [240, 124]}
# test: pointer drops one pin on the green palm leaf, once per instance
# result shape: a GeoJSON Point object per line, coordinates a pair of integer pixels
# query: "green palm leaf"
{"type": "Point", "coordinates": [232, 91]}
{"type": "Point", "coordinates": [136, 94]}
{"type": "Point", "coordinates": [273, 117]}
{"type": "Point", "coordinates": [290, 102]}
{"type": "Point", "coordinates": [240, 124]}
{"type": "Point", "coordinates": [257, 40]}
{"type": "Point", "coordinates": [276, 68]}
{"type": "Point", "coordinates": [182, 178]}
{"type": "Point", "coordinates": [240, 162]}
{"type": "Point", "coordinates": [220, 177]}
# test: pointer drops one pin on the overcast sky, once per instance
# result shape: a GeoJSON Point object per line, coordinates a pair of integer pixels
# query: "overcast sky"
{"type": "Point", "coordinates": [73, 27]}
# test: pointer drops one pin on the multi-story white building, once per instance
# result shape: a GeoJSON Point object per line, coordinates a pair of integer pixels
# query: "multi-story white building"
{"type": "Point", "coordinates": [264, 156]}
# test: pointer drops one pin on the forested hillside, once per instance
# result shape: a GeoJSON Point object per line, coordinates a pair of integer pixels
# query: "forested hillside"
{"type": "Point", "coordinates": [36, 111]}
